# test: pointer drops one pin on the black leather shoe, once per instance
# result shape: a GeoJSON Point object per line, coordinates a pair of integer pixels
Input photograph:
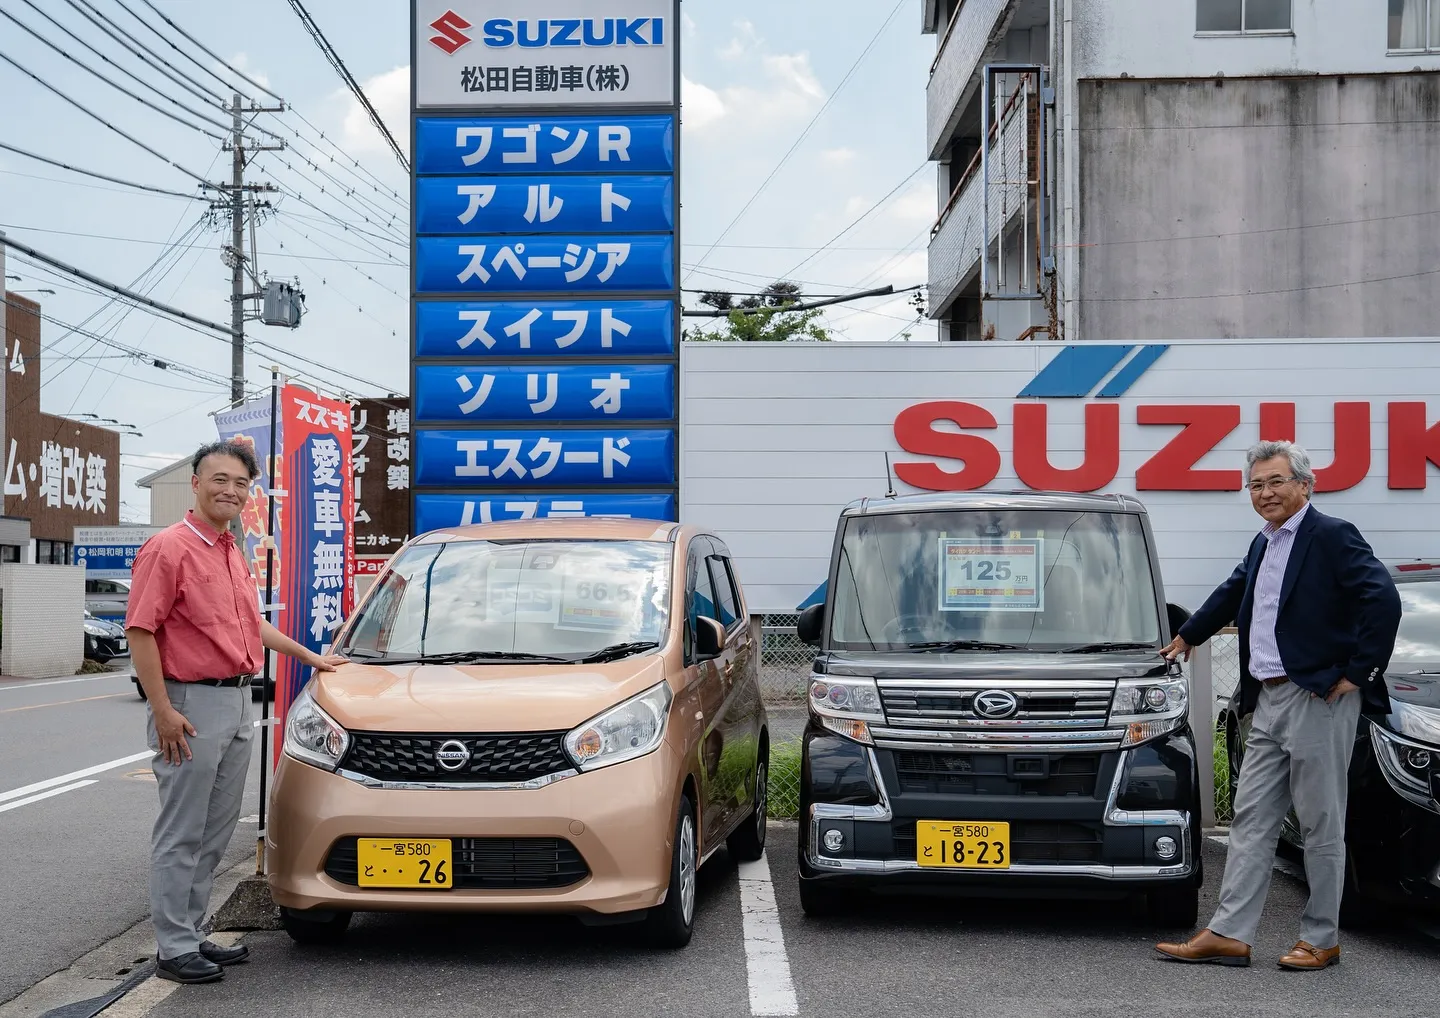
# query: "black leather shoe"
{"type": "Point", "coordinates": [224, 955]}
{"type": "Point", "coordinates": [188, 968]}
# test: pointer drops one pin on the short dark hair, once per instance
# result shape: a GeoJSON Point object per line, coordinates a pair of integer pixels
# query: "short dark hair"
{"type": "Point", "coordinates": [226, 447]}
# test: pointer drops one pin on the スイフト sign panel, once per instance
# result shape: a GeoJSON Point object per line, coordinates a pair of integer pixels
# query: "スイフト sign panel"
{"type": "Point", "coordinates": [544, 357]}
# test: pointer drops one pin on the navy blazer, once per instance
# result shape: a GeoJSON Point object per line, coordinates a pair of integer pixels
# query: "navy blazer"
{"type": "Point", "coordinates": [1339, 612]}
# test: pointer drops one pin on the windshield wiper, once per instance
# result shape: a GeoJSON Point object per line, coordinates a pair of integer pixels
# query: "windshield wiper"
{"type": "Point", "coordinates": [617, 650]}
{"type": "Point", "coordinates": [961, 645]}
{"type": "Point", "coordinates": [1100, 648]}
{"type": "Point", "coordinates": [461, 657]}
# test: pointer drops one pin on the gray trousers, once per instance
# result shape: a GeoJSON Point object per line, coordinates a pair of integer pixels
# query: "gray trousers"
{"type": "Point", "coordinates": [200, 802]}
{"type": "Point", "coordinates": [1299, 750]}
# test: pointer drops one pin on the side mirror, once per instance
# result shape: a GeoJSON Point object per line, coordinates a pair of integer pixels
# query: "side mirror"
{"type": "Point", "coordinates": [1178, 617]}
{"type": "Point", "coordinates": [810, 626]}
{"type": "Point", "coordinates": [709, 639]}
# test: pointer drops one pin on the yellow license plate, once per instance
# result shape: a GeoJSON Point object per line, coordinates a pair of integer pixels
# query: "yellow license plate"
{"type": "Point", "coordinates": [418, 864]}
{"type": "Point", "coordinates": [966, 845]}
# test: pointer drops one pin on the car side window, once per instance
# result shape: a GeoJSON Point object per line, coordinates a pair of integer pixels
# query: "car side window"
{"type": "Point", "coordinates": [724, 591]}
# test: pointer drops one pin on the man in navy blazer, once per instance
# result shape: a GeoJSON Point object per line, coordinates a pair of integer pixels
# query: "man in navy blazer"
{"type": "Point", "coordinates": [1317, 615]}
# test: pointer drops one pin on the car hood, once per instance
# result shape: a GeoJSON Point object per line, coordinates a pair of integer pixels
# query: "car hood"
{"type": "Point", "coordinates": [1421, 689]}
{"type": "Point", "coordinates": [479, 698]}
{"type": "Point", "coordinates": [1000, 666]}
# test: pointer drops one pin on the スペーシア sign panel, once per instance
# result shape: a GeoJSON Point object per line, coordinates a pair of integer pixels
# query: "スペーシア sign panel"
{"type": "Point", "coordinates": [501, 53]}
{"type": "Point", "coordinates": [544, 264]}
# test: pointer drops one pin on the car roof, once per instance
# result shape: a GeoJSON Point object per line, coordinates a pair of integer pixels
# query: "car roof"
{"type": "Point", "coordinates": [588, 528]}
{"type": "Point", "coordinates": [1053, 500]}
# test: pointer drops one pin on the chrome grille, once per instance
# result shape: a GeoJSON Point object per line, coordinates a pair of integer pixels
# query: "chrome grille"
{"type": "Point", "coordinates": [932, 713]}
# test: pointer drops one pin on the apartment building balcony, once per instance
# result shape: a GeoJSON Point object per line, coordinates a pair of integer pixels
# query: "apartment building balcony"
{"type": "Point", "coordinates": [972, 37]}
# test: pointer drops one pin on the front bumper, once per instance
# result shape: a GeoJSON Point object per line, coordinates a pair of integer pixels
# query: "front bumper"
{"type": "Point", "coordinates": [620, 820]}
{"type": "Point", "coordinates": [1104, 840]}
{"type": "Point", "coordinates": [1393, 836]}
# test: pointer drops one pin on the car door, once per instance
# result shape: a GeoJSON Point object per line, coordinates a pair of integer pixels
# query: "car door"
{"type": "Point", "coordinates": [742, 710]}
{"type": "Point", "coordinates": [709, 683]}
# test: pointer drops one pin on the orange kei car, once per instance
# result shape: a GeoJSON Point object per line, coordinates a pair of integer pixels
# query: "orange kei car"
{"type": "Point", "coordinates": [541, 716]}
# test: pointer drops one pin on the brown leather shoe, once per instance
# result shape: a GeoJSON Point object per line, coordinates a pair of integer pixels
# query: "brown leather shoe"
{"type": "Point", "coordinates": [1209, 947]}
{"type": "Point", "coordinates": [1307, 956]}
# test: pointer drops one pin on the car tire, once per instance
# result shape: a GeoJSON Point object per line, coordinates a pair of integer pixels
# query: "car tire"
{"type": "Point", "coordinates": [818, 901]}
{"type": "Point", "coordinates": [747, 843]}
{"type": "Point", "coordinates": [1174, 906]}
{"type": "Point", "coordinates": [308, 930]}
{"type": "Point", "coordinates": [671, 924]}
{"type": "Point", "coordinates": [139, 689]}
{"type": "Point", "coordinates": [1357, 910]}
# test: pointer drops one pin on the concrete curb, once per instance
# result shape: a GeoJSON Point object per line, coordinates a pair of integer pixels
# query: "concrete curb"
{"type": "Point", "coordinates": [249, 907]}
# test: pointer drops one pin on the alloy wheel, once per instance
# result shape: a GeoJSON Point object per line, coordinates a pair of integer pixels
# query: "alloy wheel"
{"type": "Point", "coordinates": [687, 868]}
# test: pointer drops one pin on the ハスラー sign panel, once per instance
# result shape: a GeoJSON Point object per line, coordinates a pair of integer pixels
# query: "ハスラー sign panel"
{"type": "Point", "coordinates": [544, 351]}
{"type": "Point", "coordinates": [563, 52]}
{"type": "Point", "coordinates": [778, 437]}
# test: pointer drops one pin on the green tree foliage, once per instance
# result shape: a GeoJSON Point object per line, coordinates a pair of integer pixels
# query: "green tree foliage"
{"type": "Point", "coordinates": [761, 318]}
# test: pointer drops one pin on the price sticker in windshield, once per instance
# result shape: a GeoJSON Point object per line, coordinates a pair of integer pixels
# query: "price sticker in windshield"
{"type": "Point", "coordinates": [991, 575]}
{"type": "Point", "coordinates": [602, 605]}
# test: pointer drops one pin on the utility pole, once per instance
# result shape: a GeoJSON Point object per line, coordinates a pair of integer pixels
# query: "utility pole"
{"type": "Point", "coordinates": [241, 194]}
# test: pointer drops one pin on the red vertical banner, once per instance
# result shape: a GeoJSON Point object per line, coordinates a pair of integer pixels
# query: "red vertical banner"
{"type": "Point", "coordinates": [317, 533]}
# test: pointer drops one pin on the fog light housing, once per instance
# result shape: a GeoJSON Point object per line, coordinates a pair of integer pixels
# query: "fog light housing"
{"type": "Point", "coordinates": [1419, 759]}
{"type": "Point", "coordinates": [833, 840]}
{"type": "Point", "coordinates": [1166, 848]}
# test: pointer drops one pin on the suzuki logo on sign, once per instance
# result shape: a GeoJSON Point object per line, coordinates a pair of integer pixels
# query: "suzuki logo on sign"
{"type": "Point", "coordinates": [1100, 374]}
{"type": "Point", "coordinates": [450, 26]}
{"type": "Point", "coordinates": [501, 33]}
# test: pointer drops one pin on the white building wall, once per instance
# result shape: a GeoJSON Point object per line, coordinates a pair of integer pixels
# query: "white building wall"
{"type": "Point", "coordinates": [1157, 39]}
{"type": "Point", "coordinates": [43, 614]}
{"type": "Point", "coordinates": [777, 438]}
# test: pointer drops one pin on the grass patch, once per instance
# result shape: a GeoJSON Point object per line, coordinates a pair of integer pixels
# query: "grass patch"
{"type": "Point", "coordinates": [1224, 808]}
{"type": "Point", "coordinates": [785, 781]}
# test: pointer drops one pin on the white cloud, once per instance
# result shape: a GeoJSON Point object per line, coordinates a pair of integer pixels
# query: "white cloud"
{"type": "Point", "coordinates": [746, 40]}
{"type": "Point", "coordinates": [907, 270]}
{"type": "Point", "coordinates": [917, 205]}
{"type": "Point", "coordinates": [855, 205]}
{"type": "Point", "coordinates": [389, 93]}
{"type": "Point", "coordinates": [700, 104]}
{"type": "Point", "coordinates": [241, 62]}
{"type": "Point", "coordinates": [689, 23]}
{"type": "Point", "coordinates": [837, 156]}
{"type": "Point", "coordinates": [781, 89]}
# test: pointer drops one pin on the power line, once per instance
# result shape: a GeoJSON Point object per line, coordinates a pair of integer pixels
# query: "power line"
{"type": "Point", "coordinates": [205, 49]}
{"type": "Point", "coordinates": [114, 288]}
{"type": "Point", "coordinates": [1259, 293]}
{"type": "Point", "coordinates": [860, 219]}
{"type": "Point", "coordinates": [99, 176]}
{"type": "Point", "coordinates": [195, 247]}
{"type": "Point", "coordinates": [322, 247]}
{"type": "Point", "coordinates": [95, 116]}
{"type": "Point", "coordinates": [802, 136]}
{"type": "Point", "coordinates": [323, 366]}
{"type": "Point", "coordinates": [146, 54]}
{"type": "Point", "coordinates": [345, 158]}
{"type": "Point", "coordinates": [347, 77]}
{"type": "Point", "coordinates": [123, 70]}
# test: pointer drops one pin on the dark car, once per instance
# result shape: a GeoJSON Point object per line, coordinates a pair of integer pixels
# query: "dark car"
{"type": "Point", "coordinates": [104, 640]}
{"type": "Point", "coordinates": [1393, 827]}
{"type": "Point", "coordinates": [990, 713]}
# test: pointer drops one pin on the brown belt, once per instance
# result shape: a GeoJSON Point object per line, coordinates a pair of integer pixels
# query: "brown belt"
{"type": "Point", "coordinates": [1279, 680]}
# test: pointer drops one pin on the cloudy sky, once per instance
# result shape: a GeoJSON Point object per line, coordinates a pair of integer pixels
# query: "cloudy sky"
{"type": "Point", "coordinates": [756, 74]}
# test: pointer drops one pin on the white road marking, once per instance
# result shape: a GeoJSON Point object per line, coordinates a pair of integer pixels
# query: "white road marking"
{"type": "Point", "coordinates": [6, 687]}
{"type": "Point", "coordinates": [45, 795]}
{"type": "Point", "coordinates": [771, 990]}
{"type": "Point", "coordinates": [142, 1000]}
{"type": "Point", "coordinates": [40, 786]}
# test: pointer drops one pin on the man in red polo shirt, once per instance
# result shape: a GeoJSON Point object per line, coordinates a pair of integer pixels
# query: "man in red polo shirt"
{"type": "Point", "coordinates": [196, 638]}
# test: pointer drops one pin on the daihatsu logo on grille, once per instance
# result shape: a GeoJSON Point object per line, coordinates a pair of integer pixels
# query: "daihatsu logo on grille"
{"type": "Point", "coordinates": [996, 704]}
{"type": "Point", "coordinates": [452, 755]}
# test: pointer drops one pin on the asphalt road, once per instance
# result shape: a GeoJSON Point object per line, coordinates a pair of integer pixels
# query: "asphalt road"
{"type": "Point", "coordinates": [978, 958]}
{"type": "Point", "coordinates": [75, 852]}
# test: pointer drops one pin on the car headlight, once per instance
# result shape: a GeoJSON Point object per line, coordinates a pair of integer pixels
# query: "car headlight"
{"type": "Point", "coordinates": [846, 705]}
{"type": "Point", "coordinates": [313, 736]}
{"type": "Point", "coordinates": [96, 630]}
{"type": "Point", "coordinates": [1405, 763]}
{"type": "Point", "coordinates": [1149, 708]}
{"type": "Point", "coordinates": [624, 732]}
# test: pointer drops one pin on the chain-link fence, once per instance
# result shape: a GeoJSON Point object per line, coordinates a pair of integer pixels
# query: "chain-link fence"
{"type": "Point", "coordinates": [785, 668]}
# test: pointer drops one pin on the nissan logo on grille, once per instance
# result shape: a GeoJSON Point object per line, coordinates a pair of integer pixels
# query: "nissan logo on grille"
{"type": "Point", "coordinates": [452, 755]}
{"type": "Point", "coordinates": [996, 704]}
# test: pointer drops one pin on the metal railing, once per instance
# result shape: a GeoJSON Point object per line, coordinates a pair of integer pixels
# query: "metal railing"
{"type": "Point", "coordinates": [954, 73]}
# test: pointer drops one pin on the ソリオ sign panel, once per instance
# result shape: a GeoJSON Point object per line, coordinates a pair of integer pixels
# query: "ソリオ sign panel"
{"type": "Point", "coordinates": [545, 253]}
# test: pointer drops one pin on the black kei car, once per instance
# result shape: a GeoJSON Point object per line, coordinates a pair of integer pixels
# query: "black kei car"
{"type": "Point", "coordinates": [1393, 828]}
{"type": "Point", "coordinates": [990, 713]}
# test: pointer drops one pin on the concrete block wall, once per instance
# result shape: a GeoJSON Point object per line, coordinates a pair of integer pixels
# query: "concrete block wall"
{"type": "Point", "coordinates": [43, 620]}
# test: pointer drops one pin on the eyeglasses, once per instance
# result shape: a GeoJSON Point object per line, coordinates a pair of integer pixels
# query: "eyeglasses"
{"type": "Point", "coordinates": [1273, 484]}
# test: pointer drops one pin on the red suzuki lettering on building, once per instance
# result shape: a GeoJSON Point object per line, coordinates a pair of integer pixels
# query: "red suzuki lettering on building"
{"type": "Point", "coordinates": [1413, 444]}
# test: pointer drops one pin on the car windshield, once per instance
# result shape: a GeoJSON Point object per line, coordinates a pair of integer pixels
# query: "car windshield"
{"type": "Point", "coordinates": [1417, 644]}
{"type": "Point", "coordinates": [994, 579]}
{"type": "Point", "coordinates": [560, 600]}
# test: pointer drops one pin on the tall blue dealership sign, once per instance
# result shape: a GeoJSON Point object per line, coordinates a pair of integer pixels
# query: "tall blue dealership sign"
{"type": "Point", "coordinates": [545, 317]}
